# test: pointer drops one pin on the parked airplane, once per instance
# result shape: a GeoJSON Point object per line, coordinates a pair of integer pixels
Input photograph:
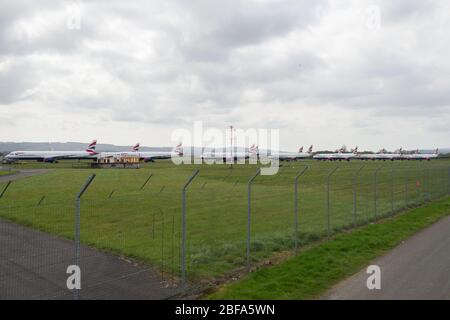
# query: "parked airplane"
{"type": "Point", "coordinates": [382, 155]}
{"type": "Point", "coordinates": [151, 156]}
{"type": "Point", "coordinates": [52, 156]}
{"type": "Point", "coordinates": [339, 155]}
{"type": "Point", "coordinates": [292, 156]}
{"type": "Point", "coordinates": [422, 156]}
{"type": "Point", "coordinates": [227, 156]}
{"type": "Point", "coordinates": [146, 156]}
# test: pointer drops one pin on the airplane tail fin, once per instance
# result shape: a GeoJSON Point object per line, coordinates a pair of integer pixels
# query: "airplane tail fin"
{"type": "Point", "coordinates": [437, 151]}
{"type": "Point", "coordinates": [355, 151]}
{"type": "Point", "coordinates": [310, 150]}
{"type": "Point", "coordinates": [300, 150]}
{"type": "Point", "coordinates": [91, 148]}
{"type": "Point", "coordinates": [254, 150]}
{"type": "Point", "coordinates": [136, 147]}
{"type": "Point", "coordinates": [178, 150]}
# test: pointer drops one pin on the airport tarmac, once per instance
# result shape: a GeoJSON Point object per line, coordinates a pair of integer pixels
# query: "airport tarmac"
{"type": "Point", "coordinates": [33, 265]}
{"type": "Point", "coordinates": [21, 174]}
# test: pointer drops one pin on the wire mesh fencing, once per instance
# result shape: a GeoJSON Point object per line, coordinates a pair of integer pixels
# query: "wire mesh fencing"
{"type": "Point", "coordinates": [171, 233]}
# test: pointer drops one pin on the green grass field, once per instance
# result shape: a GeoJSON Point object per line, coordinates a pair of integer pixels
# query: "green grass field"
{"type": "Point", "coordinates": [145, 224]}
{"type": "Point", "coordinates": [310, 274]}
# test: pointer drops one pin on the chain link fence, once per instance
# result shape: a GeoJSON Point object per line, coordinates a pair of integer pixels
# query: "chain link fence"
{"type": "Point", "coordinates": [170, 234]}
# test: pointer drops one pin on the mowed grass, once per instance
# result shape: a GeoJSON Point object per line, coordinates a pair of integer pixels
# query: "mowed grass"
{"type": "Point", "coordinates": [310, 274]}
{"type": "Point", "coordinates": [120, 215]}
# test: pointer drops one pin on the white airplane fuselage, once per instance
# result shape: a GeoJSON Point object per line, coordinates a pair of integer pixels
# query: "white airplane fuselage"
{"type": "Point", "coordinates": [143, 156]}
{"type": "Point", "coordinates": [420, 156]}
{"type": "Point", "coordinates": [380, 156]}
{"type": "Point", "coordinates": [49, 156]}
{"type": "Point", "coordinates": [291, 156]}
{"type": "Point", "coordinates": [224, 156]}
{"type": "Point", "coordinates": [335, 156]}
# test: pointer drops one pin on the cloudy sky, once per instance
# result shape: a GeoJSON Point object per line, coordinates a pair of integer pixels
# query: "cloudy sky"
{"type": "Point", "coordinates": [368, 73]}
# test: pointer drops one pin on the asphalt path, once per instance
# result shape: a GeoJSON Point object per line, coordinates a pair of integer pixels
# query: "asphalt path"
{"type": "Point", "coordinates": [21, 174]}
{"type": "Point", "coordinates": [33, 265]}
{"type": "Point", "coordinates": [418, 269]}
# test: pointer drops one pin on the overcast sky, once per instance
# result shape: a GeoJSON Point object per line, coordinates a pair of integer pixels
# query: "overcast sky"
{"type": "Point", "coordinates": [368, 73]}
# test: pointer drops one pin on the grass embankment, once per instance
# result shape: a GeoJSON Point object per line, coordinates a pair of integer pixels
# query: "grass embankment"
{"type": "Point", "coordinates": [317, 269]}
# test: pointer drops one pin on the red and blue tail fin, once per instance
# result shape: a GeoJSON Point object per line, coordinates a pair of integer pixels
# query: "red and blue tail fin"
{"type": "Point", "coordinates": [254, 149]}
{"type": "Point", "coordinates": [178, 150]}
{"type": "Point", "coordinates": [91, 148]}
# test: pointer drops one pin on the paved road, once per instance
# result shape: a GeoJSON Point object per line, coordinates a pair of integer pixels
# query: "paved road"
{"type": "Point", "coordinates": [24, 174]}
{"type": "Point", "coordinates": [417, 269]}
{"type": "Point", "coordinates": [33, 265]}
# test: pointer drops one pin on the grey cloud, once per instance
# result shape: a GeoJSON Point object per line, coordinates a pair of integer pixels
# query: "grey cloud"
{"type": "Point", "coordinates": [15, 79]}
{"type": "Point", "coordinates": [24, 38]}
{"type": "Point", "coordinates": [176, 61]}
{"type": "Point", "coordinates": [400, 10]}
{"type": "Point", "coordinates": [233, 24]}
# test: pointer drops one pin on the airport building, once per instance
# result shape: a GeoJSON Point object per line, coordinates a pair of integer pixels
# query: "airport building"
{"type": "Point", "coordinates": [117, 161]}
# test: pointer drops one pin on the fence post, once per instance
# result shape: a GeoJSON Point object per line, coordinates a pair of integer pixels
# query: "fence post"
{"type": "Point", "coordinates": [355, 185]}
{"type": "Point", "coordinates": [4, 189]}
{"type": "Point", "coordinates": [392, 190]}
{"type": "Point", "coordinates": [249, 211]}
{"type": "Point", "coordinates": [328, 201]}
{"type": "Point", "coordinates": [40, 201]}
{"type": "Point", "coordinates": [146, 181]}
{"type": "Point", "coordinates": [419, 186]}
{"type": "Point", "coordinates": [296, 207]}
{"type": "Point", "coordinates": [428, 195]}
{"type": "Point", "coordinates": [183, 225]}
{"type": "Point", "coordinates": [448, 180]}
{"type": "Point", "coordinates": [375, 190]}
{"type": "Point", "coordinates": [77, 225]}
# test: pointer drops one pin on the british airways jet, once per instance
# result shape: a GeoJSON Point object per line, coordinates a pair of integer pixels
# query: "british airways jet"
{"type": "Point", "coordinates": [292, 156]}
{"type": "Point", "coordinates": [422, 156]}
{"type": "Point", "coordinates": [53, 156]}
{"type": "Point", "coordinates": [149, 156]}
{"type": "Point", "coordinates": [227, 156]}
{"type": "Point", "coordinates": [340, 155]}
